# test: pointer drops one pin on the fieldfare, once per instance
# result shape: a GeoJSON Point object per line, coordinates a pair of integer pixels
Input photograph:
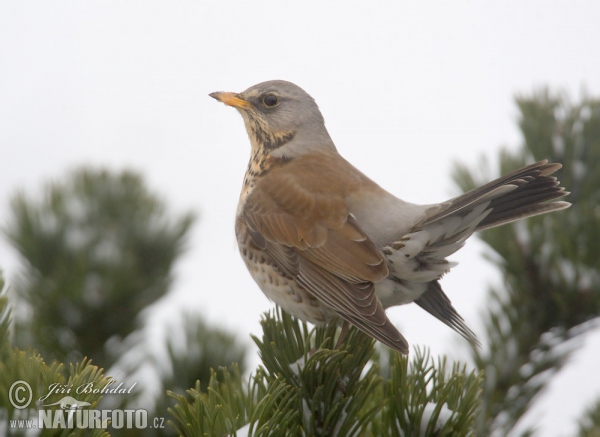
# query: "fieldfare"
{"type": "Point", "coordinates": [327, 244]}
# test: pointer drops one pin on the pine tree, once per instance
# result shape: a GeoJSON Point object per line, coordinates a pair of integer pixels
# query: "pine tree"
{"type": "Point", "coordinates": [191, 352]}
{"type": "Point", "coordinates": [98, 248]}
{"type": "Point", "coordinates": [589, 424]}
{"type": "Point", "coordinates": [550, 265]}
{"type": "Point", "coordinates": [306, 387]}
{"type": "Point", "coordinates": [29, 366]}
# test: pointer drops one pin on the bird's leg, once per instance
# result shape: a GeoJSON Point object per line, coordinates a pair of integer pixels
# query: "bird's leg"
{"type": "Point", "coordinates": [341, 384]}
{"type": "Point", "coordinates": [343, 334]}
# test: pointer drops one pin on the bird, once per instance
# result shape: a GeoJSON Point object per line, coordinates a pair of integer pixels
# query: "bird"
{"type": "Point", "coordinates": [329, 245]}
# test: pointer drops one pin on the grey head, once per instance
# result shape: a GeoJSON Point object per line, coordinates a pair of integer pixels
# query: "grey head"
{"type": "Point", "coordinates": [280, 117]}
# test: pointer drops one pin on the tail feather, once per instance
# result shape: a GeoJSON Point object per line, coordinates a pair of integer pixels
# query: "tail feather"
{"type": "Point", "coordinates": [531, 197]}
{"type": "Point", "coordinates": [524, 212]}
{"type": "Point", "coordinates": [418, 259]}
{"type": "Point", "coordinates": [539, 169]}
{"type": "Point", "coordinates": [436, 303]}
{"type": "Point", "coordinates": [519, 194]}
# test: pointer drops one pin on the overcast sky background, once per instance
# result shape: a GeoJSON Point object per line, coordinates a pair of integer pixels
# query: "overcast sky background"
{"type": "Point", "coordinates": [405, 88]}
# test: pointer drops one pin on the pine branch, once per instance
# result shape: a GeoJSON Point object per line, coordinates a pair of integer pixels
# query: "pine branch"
{"type": "Point", "coordinates": [29, 366]}
{"type": "Point", "coordinates": [306, 388]}
{"type": "Point", "coordinates": [550, 266]}
{"type": "Point", "coordinates": [98, 247]}
{"type": "Point", "coordinates": [218, 411]}
{"type": "Point", "coordinates": [589, 424]}
{"type": "Point", "coordinates": [321, 378]}
{"type": "Point", "coordinates": [424, 398]}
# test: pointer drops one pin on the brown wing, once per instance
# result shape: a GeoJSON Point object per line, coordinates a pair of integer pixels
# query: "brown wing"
{"type": "Point", "coordinates": [311, 236]}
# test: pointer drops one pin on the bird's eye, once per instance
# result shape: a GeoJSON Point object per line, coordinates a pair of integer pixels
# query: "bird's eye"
{"type": "Point", "coordinates": [270, 100]}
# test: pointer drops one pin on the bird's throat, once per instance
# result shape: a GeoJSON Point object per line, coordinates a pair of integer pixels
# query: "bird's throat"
{"type": "Point", "coordinates": [263, 139]}
{"type": "Point", "coordinates": [263, 144]}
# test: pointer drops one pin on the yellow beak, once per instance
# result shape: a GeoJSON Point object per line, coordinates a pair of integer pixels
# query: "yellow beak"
{"type": "Point", "coordinates": [230, 99]}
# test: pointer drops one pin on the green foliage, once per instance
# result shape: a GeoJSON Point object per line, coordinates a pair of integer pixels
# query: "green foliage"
{"type": "Point", "coordinates": [589, 424]}
{"type": "Point", "coordinates": [99, 248]}
{"type": "Point", "coordinates": [29, 366]}
{"type": "Point", "coordinates": [4, 315]}
{"type": "Point", "coordinates": [308, 388]}
{"type": "Point", "coordinates": [550, 265]}
{"type": "Point", "coordinates": [218, 411]}
{"type": "Point", "coordinates": [198, 348]}
{"type": "Point", "coordinates": [322, 378]}
{"type": "Point", "coordinates": [194, 349]}
{"type": "Point", "coordinates": [421, 385]}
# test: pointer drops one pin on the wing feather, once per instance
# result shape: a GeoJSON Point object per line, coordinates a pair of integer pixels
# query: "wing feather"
{"type": "Point", "coordinates": [323, 247]}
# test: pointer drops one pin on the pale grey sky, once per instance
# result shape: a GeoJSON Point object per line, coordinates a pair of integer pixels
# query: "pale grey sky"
{"type": "Point", "coordinates": [405, 88]}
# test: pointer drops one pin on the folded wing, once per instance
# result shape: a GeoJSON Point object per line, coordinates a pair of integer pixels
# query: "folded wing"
{"type": "Point", "coordinates": [312, 237]}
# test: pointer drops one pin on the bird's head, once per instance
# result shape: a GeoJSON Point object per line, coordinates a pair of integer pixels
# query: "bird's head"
{"type": "Point", "coordinates": [281, 118]}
